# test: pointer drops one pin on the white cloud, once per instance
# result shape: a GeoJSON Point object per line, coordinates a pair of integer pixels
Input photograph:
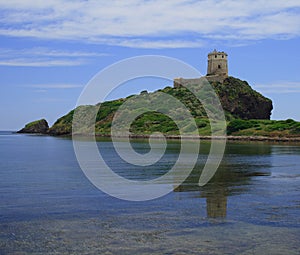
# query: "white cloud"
{"type": "Point", "coordinates": [45, 57]}
{"type": "Point", "coordinates": [280, 87]}
{"type": "Point", "coordinates": [152, 23]}
{"type": "Point", "coordinates": [42, 51]}
{"type": "Point", "coordinates": [43, 87]}
{"type": "Point", "coordinates": [26, 62]}
{"type": "Point", "coordinates": [50, 100]}
{"type": "Point", "coordinates": [157, 44]}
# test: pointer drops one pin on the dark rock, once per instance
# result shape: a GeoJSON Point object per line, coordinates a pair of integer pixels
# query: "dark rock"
{"type": "Point", "coordinates": [58, 130]}
{"type": "Point", "coordinates": [36, 127]}
{"type": "Point", "coordinates": [238, 98]}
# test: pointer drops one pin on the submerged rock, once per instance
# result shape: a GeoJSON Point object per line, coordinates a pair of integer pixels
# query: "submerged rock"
{"type": "Point", "coordinates": [36, 127]}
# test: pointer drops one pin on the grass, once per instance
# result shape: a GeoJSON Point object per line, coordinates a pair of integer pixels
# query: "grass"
{"type": "Point", "coordinates": [234, 95]}
{"type": "Point", "coordinates": [273, 128]}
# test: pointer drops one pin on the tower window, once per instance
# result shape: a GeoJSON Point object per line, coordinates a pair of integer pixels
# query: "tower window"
{"type": "Point", "coordinates": [215, 56]}
{"type": "Point", "coordinates": [222, 56]}
{"type": "Point", "coordinates": [219, 66]}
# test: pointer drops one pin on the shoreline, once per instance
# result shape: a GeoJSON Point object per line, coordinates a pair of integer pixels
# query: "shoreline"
{"type": "Point", "coordinates": [186, 137]}
{"type": "Point", "coordinates": [195, 137]}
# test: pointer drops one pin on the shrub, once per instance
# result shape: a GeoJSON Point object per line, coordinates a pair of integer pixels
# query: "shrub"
{"type": "Point", "coordinates": [238, 124]}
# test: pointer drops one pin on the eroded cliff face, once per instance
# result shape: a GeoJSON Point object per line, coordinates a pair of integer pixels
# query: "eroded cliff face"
{"type": "Point", "coordinates": [238, 98]}
{"type": "Point", "coordinates": [36, 127]}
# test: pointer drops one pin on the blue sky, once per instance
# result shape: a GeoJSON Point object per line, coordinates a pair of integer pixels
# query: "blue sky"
{"type": "Point", "coordinates": [49, 50]}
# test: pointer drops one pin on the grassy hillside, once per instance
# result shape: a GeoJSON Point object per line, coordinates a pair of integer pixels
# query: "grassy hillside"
{"type": "Point", "coordinates": [146, 123]}
{"type": "Point", "coordinates": [247, 113]}
{"type": "Point", "coordinates": [273, 128]}
{"type": "Point", "coordinates": [234, 94]}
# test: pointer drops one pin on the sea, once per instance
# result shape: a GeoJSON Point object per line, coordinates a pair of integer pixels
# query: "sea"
{"type": "Point", "coordinates": [49, 206]}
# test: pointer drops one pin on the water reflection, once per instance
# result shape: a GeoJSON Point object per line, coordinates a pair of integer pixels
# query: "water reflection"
{"type": "Point", "coordinates": [235, 176]}
{"type": "Point", "coordinates": [216, 202]}
{"type": "Point", "coordinates": [216, 198]}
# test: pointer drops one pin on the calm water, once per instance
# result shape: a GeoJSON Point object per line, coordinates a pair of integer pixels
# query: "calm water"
{"type": "Point", "coordinates": [252, 205]}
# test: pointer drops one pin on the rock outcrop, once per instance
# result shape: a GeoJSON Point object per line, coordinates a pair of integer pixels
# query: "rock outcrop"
{"type": "Point", "coordinates": [238, 98]}
{"type": "Point", "coordinates": [36, 127]}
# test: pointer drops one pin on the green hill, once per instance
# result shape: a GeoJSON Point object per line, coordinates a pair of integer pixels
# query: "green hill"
{"type": "Point", "coordinates": [238, 99]}
{"type": "Point", "coordinates": [247, 113]}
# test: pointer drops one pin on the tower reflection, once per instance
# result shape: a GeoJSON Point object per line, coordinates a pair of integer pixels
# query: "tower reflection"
{"type": "Point", "coordinates": [216, 203]}
{"type": "Point", "coordinates": [216, 198]}
{"type": "Point", "coordinates": [233, 177]}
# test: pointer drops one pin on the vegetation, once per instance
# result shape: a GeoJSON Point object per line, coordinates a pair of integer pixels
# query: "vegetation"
{"type": "Point", "coordinates": [247, 113]}
{"type": "Point", "coordinates": [148, 122]}
{"type": "Point", "coordinates": [33, 123]}
{"type": "Point", "coordinates": [273, 128]}
{"type": "Point", "coordinates": [38, 126]}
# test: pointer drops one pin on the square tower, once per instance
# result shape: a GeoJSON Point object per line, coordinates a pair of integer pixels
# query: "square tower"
{"type": "Point", "coordinates": [217, 63]}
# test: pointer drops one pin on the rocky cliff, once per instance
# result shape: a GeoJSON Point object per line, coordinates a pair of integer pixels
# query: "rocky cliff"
{"type": "Point", "coordinates": [238, 98]}
{"type": "Point", "coordinates": [36, 127]}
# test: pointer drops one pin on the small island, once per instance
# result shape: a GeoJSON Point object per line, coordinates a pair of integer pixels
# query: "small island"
{"type": "Point", "coordinates": [36, 127]}
{"type": "Point", "coordinates": [247, 111]}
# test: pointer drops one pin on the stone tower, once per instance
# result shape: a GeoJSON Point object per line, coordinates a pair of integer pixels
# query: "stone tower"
{"type": "Point", "coordinates": [217, 70]}
{"type": "Point", "coordinates": [217, 64]}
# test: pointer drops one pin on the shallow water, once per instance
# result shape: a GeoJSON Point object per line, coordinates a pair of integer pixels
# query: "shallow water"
{"type": "Point", "coordinates": [251, 206]}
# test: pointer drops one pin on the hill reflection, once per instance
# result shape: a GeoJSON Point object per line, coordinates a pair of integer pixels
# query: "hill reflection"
{"type": "Point", "coordinates": [234, 176]}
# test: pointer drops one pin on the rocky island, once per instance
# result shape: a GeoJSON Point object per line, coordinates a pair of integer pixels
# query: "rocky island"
{"type": "Point", "coordinates": [36, 127]}
{"type": "Point", "coordinates": [247, 111]}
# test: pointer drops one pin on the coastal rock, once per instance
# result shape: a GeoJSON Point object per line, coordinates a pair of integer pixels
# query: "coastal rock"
{"type": "Point", "coordinates": [36, 127]}
{"type": "Point", "coordinates": [243, 102]}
